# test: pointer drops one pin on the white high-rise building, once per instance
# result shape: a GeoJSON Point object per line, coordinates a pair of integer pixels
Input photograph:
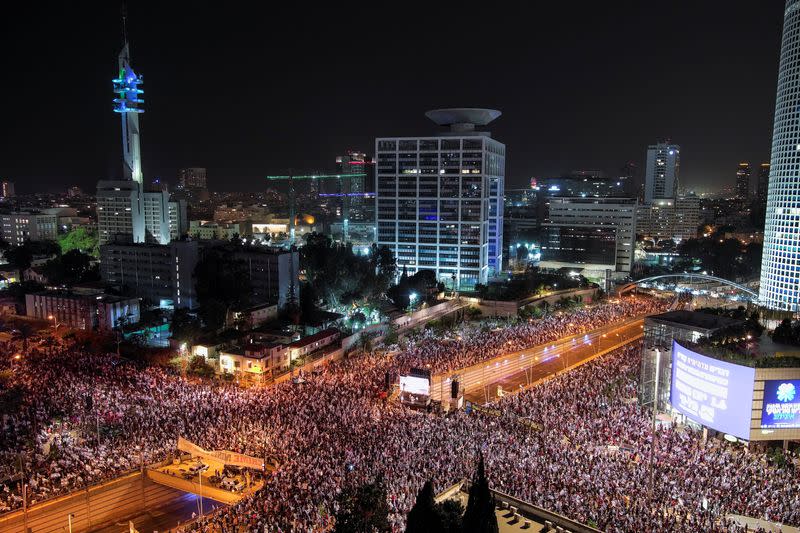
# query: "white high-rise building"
{"type": "Point", "coordinates": [780, 261]}
{"type": "Point", "coordinates": [439, 199]}
{"type": "Point", "coordinates": [156, 217]}
{"type": "Point", "coordinates": [125, 211]}
{"type": "Point", "coordinates": [120, 211]}
{"type": "Point", "coordinates": [178, 220]}
{"type": "Point", "coordinates": [661, 171]}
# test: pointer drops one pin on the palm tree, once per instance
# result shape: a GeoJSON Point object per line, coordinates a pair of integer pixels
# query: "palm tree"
{"type": "Point", "coordinates": [22, 333]}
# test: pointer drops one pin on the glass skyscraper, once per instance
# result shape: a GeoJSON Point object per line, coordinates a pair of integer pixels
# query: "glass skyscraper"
{"type": "Point", "coordinates": [780, 263]}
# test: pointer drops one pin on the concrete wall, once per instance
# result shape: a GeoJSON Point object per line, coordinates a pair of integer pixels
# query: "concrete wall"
{"type": "Point", "coordinates": [93, 507]}
{"type": "Point", "coordinates": [510, 308]}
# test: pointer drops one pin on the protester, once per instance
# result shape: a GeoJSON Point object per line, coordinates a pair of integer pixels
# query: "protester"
{"type": "Point", "coordinates": [590, 459]}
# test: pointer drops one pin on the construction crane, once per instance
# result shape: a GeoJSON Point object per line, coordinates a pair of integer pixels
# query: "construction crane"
{"type": "Point", "coordinates": [346, 204]}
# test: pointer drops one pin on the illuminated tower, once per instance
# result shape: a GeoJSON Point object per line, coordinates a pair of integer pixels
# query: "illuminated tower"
{"type": "Point", "coordinates": [780, 275]}
{"type": "Point", "coordinates": [126, 87]}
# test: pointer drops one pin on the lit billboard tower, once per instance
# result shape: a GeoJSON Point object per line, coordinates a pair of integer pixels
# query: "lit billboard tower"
{"type": "Point", "coordinates": [780, 277]}
{"type": "Point", "coordinates": [126, 87]}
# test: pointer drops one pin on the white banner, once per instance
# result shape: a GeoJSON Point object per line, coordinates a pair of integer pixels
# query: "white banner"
{"type": "Point", "coordinates": [224, 456]}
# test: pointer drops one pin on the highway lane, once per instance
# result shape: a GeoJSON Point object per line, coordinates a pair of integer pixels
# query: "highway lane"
{"type": "Point", "coordinates": [552, 358]}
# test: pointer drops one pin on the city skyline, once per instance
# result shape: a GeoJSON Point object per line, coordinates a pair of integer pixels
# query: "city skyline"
{"type": "Point", "coordinates": [245, 98]}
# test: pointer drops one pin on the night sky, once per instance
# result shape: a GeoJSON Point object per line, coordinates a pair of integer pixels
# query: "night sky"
{"type": "Point", "coordinates": [249, 93]}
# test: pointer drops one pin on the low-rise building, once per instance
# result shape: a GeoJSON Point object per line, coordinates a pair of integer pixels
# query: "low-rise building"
{"type": "Point", "coordinates": [272, 272]}
{"type": "Point", "coordinates": [208, 230]}
{"type": "Point", "coordinates": [20, 227]}
{"type": "Point", "coordinates": [255, 360]}
{"type": "Point", "coordinates": [98, 312]}
{"type": "Point", "coordinates": [659, 332]}
{"type": "Point", "coordinates": [312, 343]}
{"type": "Point", "coordinates": [162, 274]}
{"type": "Point", "coordinates": [256, 357]}
{"type": "Point", "coordinates": [8, 274]}
{"type": "Point", "coordinates": [253, 316]}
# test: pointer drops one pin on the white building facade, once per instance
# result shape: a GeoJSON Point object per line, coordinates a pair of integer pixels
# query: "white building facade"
{"type": "Point", "coordinates": [594, 234]}
{"type": "Point", "coordinates": [780, 262]}
{"type": "Point", "coordinates": [120, 211]}
{"type": "Point", "coordinates": [661, 171]}
{"type": "Point", "coordinates": [439, 199]}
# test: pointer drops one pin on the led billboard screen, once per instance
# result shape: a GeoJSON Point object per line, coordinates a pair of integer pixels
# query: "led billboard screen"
{"type": "Point", "coordinates": [781, 404]}
{"type": "Point", "coordinates": [415, 385]}
{"type": "Point", "coordinates": [711, 392]}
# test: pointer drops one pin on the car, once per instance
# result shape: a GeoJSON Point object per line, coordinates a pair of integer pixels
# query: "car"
{"type": "Point", "coordinates": [197, 468]}
{"type": "Point", "coordinates": [227, 483]}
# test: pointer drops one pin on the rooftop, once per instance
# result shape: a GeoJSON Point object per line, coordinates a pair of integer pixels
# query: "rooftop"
{"type": "Point", "coordinates": [106, 298]}
{"type": "Point", "coordinates": [463, 115]}
{"type": "Point", "coordinates": [305, 341]}
{"type": "Point", "coordinates": [696, 319]}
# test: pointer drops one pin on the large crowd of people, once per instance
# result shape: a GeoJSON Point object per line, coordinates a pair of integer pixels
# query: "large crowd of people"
{"type": "Point", "coordinates": [591, 459]}
{"type": "Point", "coordinates": [476, 342]}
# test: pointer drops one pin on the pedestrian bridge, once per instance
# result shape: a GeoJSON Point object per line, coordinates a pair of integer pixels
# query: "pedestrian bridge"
{"type": "Point", "coordinates": [691, 278]}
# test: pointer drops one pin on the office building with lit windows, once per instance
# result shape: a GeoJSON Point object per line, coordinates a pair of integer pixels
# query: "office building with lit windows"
{"type": "Point", "coordinates": [661, 171]}
{"type": "Point", "coordinates": [162, 275]}
{"type": "Point", "coordinates": [439, 199]}
{"type": "Point", "coordinates": [120, 211]}
{"type": "Point", "coordinates": [6, 189]}
{"type": "Point", "coordinates": [20, 227]}
{"type": "Point", "coordinates": [780, 261]}
{"type": "Point", "coordinates": [669, 218]}
{"type": "Point", "coordinates": [357, 192]}
{"type": "Point", "coordinates": [594, 235]}
{"type": "Point", "coordinates": [743, 181]}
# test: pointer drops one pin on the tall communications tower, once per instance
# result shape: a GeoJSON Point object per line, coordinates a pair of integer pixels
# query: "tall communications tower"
{"type": "Point", "coordinates": [126, 88]}
{"type": "Point", "coordinates": [780, 273]}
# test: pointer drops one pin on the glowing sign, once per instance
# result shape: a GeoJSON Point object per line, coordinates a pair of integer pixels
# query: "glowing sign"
{"type": "Point", "coordinates": [781, 404]}
{"type": "Point", "coordinates": [712, 392]}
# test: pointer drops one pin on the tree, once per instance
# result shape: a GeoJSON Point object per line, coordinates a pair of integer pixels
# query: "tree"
{"type": "Point", "coordinates": [340, 277]}
{"type": "Point", "coordinates": [479, 516]}
{"type": "Point", "coordinates": [423, 517]}
{"type": "Point", "coordinates": [72, 267]}
{"type": "Point", "coordinates": [19, 256]}
{"type": "Point", "coordinates": [199, 367]}
{"type": "Point", "coordinates": [424, 284]}
{"type": "Point", "coordinates": [363, 509]}
{"type": "Point", "coordinates": [451, 514]}
{"type": "Point", "coordinates": [23, 333]}
{"type": "Point", "coordinates": [184, 326]}
{"type": "Point", "coordinates": [222, 282]}
{"type": "Point", "coordinates": [391, 336]}
{"type": "Point", "coordinates": [80, 239]}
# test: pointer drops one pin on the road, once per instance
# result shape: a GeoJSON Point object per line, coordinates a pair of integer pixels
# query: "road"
{"type": "Point", "coordinates": [165, 517]}
{"type": "Point", "coordinates": [555, 357]}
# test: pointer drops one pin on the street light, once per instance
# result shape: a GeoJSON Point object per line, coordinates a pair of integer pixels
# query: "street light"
{"type": "Point", "coordinates": [412, 298]}
{"type": "Point", "coordinates": [55, 324]}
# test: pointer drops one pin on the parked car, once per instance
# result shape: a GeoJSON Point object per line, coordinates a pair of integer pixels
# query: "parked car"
{"type": "Point", "coordinates": [197, 468]}
{"type": "Point", "coordinates": [227, 483]}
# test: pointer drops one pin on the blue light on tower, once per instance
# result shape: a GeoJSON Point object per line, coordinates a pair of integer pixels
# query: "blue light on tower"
{"type": "Point", "coordinates": [126, 86]}
{"type": "Point", "coordinates": [127, 102]}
